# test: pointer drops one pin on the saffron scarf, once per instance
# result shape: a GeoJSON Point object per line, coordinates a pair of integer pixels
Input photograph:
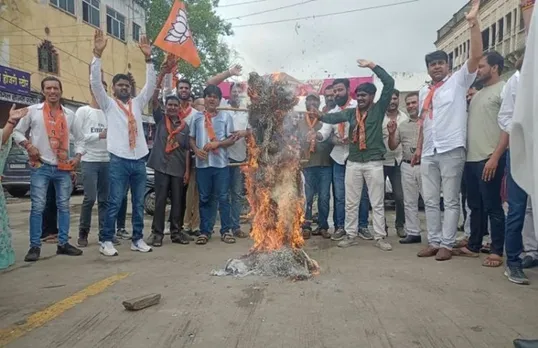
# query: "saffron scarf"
{"type": "Point", "coordinates": [58, 134]}
{"type": "Point", "coordinates": [359, 133]}
{"type": "Point", "coordinates": [427, 106]}
{"type": "Point", "coordinates": [131, 122]}
{"type": "Point", "coordinates": [311, 125]}
{"type": "Point", "coordinates": [342, 125]}
{"type": "Point", "coordinates": [171, 140]}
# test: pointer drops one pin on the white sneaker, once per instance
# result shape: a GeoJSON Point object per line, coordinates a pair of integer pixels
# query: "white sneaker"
{"type": "Point", "coordinates": [107, 249]}
{"type": "Point", "coordinates": [141, 246]}
{"type": "Point", "coordinates": [167, 229]}
{"type": "Point", "coordinates": [383, 245]}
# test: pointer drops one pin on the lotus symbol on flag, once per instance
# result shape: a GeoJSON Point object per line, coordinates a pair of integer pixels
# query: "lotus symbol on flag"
{"type": "Point", "coordinates": [179, 33]}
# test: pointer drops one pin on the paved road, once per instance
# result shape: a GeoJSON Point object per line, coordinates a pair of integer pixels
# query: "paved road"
{"type": "Point", "coordinates": [362, 298]}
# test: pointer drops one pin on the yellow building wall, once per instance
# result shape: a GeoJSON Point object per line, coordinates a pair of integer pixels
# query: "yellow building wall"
{"type": "Point", "coordinates": [72, 39]}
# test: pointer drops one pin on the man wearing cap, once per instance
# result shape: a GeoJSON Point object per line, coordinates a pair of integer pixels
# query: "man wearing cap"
{"type": "Point", "coordinates": [318, 170]}
{"type": "Point", "coordinates": [366, 154]}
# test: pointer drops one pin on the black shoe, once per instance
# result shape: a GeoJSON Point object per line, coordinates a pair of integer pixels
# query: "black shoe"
{"type": "Point", "coordinates": [529, 262]}
{"type": "Point", "coordinates": [400, 231]}
{"type": "Point", "coordinates": [33, 254]}
{"type": "Point", "coordinates": [519, 343]}
{"type": "Point", "coordinates": [116, 241]}
{"type": "Point", "coordinates": [409, 239]}
{"type": "Point", "coordinates": [68, 249]}
{"type": "Point", "coordinates": [179, 238]}
{"type": "Point", "coordinates": [82, 240]}
{"type": "Point", "coordinates": [155, 240]}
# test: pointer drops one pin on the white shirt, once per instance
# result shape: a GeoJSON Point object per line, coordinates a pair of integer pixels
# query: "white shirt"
{"type": "Point", "coordinates": [508, 97]}
{"type": "Point", "coordinates": [34, 120]}
{"type": "Point", "coordinates": [90, 122]}
{"type": "Point", "coordinates": [117, 131]}
{"type": "Point", "coordinates": [448, 129]}
{"type": "Point", "coordinates": [395, 155]}
{"type": "Point", "coordinates": [339, 153]}
{"type": "Point", "coordinates": [238, 151]}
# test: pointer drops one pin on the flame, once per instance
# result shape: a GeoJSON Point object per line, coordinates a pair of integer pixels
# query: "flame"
{"type": "Point", "coordinates": [277, 209]}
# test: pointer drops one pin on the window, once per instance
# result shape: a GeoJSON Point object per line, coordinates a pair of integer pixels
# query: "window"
{"type": "Point", "coordinates": [115, 24]}
{"type": "Point", "coordinates": [90, 12]}
{"type": "Point", "coordinates": [64, 5]}
{"type": "Point", "coordinates": [136, 32]}
{"type": "Point", "coordinates": [47, 58]}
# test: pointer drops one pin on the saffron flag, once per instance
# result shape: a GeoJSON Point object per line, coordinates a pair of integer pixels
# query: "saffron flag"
{"type": "Point", "coordinates": [175, 36]}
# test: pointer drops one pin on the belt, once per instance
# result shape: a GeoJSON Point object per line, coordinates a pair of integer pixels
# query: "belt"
{"type": "Point", "coordinates": [409, 162]}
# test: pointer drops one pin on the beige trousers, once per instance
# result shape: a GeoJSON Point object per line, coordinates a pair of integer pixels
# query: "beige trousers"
{"type": "Point", "coordinates": [192, 212]}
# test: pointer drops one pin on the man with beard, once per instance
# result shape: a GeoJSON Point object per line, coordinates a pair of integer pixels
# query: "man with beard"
{"type": "Point", "coordinates": [317, 171]}
{"type": "Point", "coordinates": [328, 96]}
{"type": "Point", "coordinates": [441, 146]}
{"type": "Point", "coordinates": [393, 159]}
{"type": "Point", "coordinates": [170, 158]}
{"type": "Point", "coordinates": [237, 152]}
{"type": "Point", "coordinates": [405, 134]}
{"type": "Point", "coordinates": [338, 136]}
{"type": "Point", "coordinates": [486, 159]}
{"type": "Point", "coordinates": [48, 152]}
{"type": "Point", "coordinates": [126, 142]}
{"type": "Point", "coordinates": [211, 133]}
{"type": "Point", "coordinates": [366, 154]}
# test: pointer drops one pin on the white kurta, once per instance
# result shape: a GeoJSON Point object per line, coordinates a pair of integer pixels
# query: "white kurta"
{"type": "Point", "coordinates": [524, 165]}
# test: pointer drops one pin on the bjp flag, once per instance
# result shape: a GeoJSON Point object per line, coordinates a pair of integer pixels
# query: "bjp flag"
{"type": "Point", "coordinates": [175, 36]}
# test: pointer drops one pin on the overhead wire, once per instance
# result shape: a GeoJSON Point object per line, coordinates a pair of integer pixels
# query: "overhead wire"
{"type": "Point", "coordinates": [241, 3]}
{"type": "Point", "coordinates": [325, 14]}
{"type": "Point", "coordinates": [271, 10]}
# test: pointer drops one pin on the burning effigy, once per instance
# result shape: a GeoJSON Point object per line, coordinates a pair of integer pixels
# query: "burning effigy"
{"type": "Point", "coordinates": [274, 186]}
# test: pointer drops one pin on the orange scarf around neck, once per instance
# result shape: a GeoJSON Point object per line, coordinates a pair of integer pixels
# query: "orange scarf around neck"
{"type": "Point", "coordinates": [311, 128]}
{"type": "Point", "coordinates": [184, 112]}
{"type": "Point", "coordinates": [359, 133]}
{"type": "Point", "coordinates": [58, 133]}
{"type": "Point", "coordinates": [342, 125]}
{"type": "Point", "coordinates": [131, 122]}
{"type": "Point", "coordinates": [427, 106]}
{"type": "Point", "coordinates": [171, 140]}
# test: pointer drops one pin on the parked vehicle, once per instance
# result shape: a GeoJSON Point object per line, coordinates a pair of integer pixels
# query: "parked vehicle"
{"type": "Point", "coordinates": [16, 178]}
{"type": "Point", "coordinates": [149, 196]}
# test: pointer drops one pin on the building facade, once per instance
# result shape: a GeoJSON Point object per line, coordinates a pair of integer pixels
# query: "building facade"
{"type": "Point", "coordinates": [55, 37]}
{"type": "Point", "coordinates": [502, 30]}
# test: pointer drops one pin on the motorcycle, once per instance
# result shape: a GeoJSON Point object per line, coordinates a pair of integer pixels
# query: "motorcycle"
{"type": "Point", "coordinates": [149, 195]}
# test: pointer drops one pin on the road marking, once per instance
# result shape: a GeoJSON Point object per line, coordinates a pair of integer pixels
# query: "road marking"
{"type": "Point", "coordinates": [42, 317]}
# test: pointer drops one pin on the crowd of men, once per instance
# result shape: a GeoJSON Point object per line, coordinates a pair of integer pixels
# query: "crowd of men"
{"type": "Point", "coordinates": [352, 146]}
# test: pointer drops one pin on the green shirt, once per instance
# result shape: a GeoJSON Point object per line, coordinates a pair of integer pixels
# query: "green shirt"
{"type": "Point", "coordinates": [375, 147]}
{"type": "Point", "coordinates": [321, 157]}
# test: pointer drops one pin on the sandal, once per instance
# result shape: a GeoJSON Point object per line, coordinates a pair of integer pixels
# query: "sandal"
{"type": "Point", "coordinates": [307, 233]}
{"type": "Point", "coordinates": [492, 261]}
{"type": "Point", "coordinates": [240, 234]}
{"type": "Point", "coordinates": [228, 238]}
{"type": "Point", "coordinates": [486, 248]}
{"type": "Point", "coordinates": [202, 239]}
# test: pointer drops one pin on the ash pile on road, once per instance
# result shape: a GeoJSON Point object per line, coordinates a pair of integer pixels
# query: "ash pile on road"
{"type": "Point", "coordinates": [285, 262]}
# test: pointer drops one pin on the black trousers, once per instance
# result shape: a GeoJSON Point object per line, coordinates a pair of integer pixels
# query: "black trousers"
{"type": "Point", "coordinates": [484, 200]}
{"type": "Point", "coordinates": [166, 185]}
{"type": "Point", "coordinates": [50, 215]}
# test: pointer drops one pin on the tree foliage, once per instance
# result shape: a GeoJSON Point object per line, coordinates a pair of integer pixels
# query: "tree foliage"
{"type": "Point", "coordinates": [207, 29]}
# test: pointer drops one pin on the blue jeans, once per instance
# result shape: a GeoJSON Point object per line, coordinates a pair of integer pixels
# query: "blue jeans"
{"type": "Point", "coordinates": [339, 194]}
{"type": "Point", "coordinates": [318, 181]}
{"type": "Point", "coordinates": [39, 183]}
{"type": "Point", "coordinates": [122, 213]}
{"type": "Point", "coordinates": [517, 203]}
{"type": "Point", "coordinates": [213, 186]}
{"type": "Point", "coordinates": [237, 185]}
{"type": "Point", "coordinates": [125, 173]}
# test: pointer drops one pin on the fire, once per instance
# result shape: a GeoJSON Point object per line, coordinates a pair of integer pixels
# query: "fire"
{"type": "Point", "coordinates": [277, 210]}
